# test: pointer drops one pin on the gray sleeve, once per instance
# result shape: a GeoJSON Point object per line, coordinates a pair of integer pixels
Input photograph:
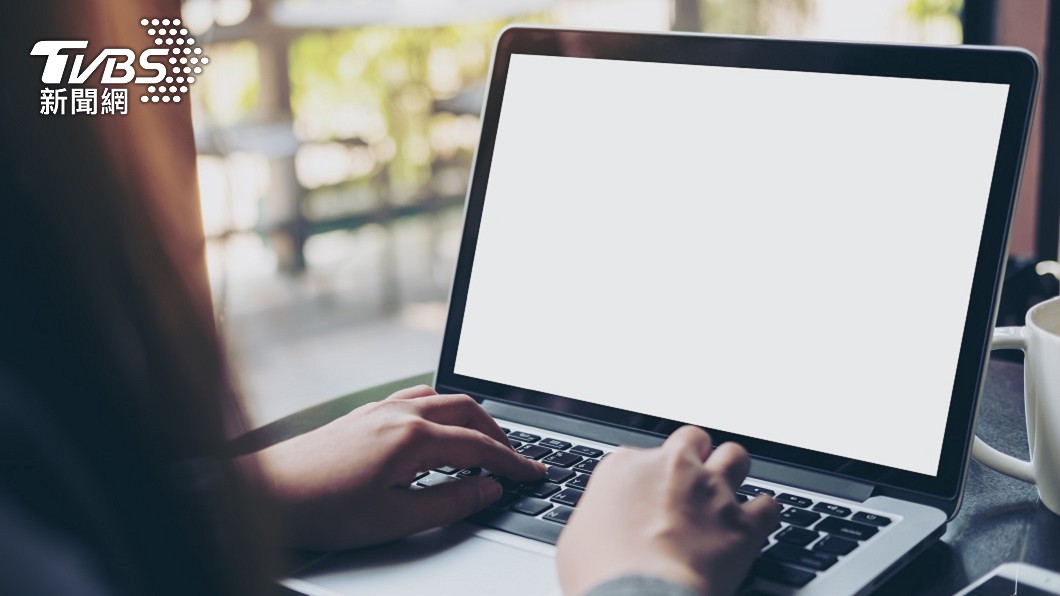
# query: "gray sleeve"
{"type": "Point", "coordinates": [640, 585]}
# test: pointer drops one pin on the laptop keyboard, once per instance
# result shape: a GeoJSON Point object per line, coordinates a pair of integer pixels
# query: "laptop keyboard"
{"type": "Point", "coordinates": [814, 534]}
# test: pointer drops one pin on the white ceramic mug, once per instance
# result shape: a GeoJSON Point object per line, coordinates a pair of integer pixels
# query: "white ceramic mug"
{"type": "Point", "coordinates": [1039, 339]}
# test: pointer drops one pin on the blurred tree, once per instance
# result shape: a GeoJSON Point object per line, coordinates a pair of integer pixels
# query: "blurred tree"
{"type": "Point", "coordinates": [924, 10]}
{"type": "Point", "coordinates": [751, 17]}
{"type": "Point", "coordinates": [379, 85]}
{"type": "Point", "coordinates": [936, 13]}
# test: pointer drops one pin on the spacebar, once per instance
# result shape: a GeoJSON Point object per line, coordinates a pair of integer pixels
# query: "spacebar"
{"type": "Point", "coordinates": [519, 524]}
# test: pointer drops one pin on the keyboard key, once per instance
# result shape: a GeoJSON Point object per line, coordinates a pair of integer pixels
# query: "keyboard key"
{"type": "Point", "coordinates": [568, 496]}
{"type": "Point", "coordinates": [872, 518]}
{"type": "Point", "coordinates": [531, 506]}
{"type": "Point", "coordinates": [505, 430]}
{"type": "Point", "coordinates": [781, 574]}
{"type": "Point", "coordinates": [587, 466]}
{"type": "Point", "coordinates": [846, 529]}
{"type": "Point", "coordinates": [533, 451]}
{"type": "Point", "coordinates": [754, 491]}
{"type": "Point", "coordinates": [419, 475]}
{"type": "Point", "coordinates": [434, 479]}
{"type": "Point", "coordinates": [558, 475]}
{"type": "Point", "coordinates": [560, 515]}
{"type": "Point", "coordinates": [796, 536]}
{"type": "Point", "coordinates": [554, 444]}
{"type": "Point", "coordinates": [835, 545]}
{"type": "Point", "coordinates": [830, 509]}
{"type": "Point", "coordinates": [561, 459]}
{"type": "Point", "coordinates": [741, 498]}
{"type": "Point", "coordinates": [796, 555]}
{"type": "Point", "coordinates": [794, 500]}
{"type": "Point", "coordinates": [580, 482]}
{"type": "Point", "coordinates": [541, 490]}
{"type": "Point", "coordinates": [799, 517]}
{"type": "Point", "coordinates": [524, 437]}
{"type": "Point", "coordinates": [468, 472]}
{"type": "Point", "coordinates": [447, 470]}
{"type": "Point", "coordinates": [586, 451]}
{"type": "Point", "coordinates": [515, 444]}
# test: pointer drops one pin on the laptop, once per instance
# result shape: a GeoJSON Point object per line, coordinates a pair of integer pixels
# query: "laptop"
{"type": "Point", "coordinates": [796, 245]}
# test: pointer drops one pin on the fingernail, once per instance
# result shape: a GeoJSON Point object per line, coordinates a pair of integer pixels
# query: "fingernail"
{"type": "Point", "coordinates": [489, 491]}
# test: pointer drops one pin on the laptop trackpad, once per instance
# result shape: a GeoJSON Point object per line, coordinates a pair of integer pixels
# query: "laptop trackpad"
{"type": "Point", "coordinates": [457, 560]}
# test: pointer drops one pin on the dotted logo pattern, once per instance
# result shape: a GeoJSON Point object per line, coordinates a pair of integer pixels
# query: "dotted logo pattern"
{"type": "Point", "coordinates": [185, 60]}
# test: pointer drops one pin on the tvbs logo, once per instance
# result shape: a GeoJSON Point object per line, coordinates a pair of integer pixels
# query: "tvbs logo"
{"type": "Point", "coordinates": [119, 62]}
{"type": "Point", "coordinates": [167, 70]}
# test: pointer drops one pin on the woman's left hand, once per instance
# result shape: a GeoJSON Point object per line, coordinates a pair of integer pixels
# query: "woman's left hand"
{"type": "Point", "coordinates": [346, 484]}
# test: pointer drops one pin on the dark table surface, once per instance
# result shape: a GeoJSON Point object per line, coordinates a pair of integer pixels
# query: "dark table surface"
{"type": "Point", "coordinates": [1000, 521]}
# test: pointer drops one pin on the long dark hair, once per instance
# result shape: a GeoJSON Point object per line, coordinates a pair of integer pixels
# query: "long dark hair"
{"type": "Point", "coordinates": [112, 377]}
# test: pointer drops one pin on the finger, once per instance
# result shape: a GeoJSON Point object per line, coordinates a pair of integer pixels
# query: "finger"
{"type": "Point", "coordinates": [413, 392]}
{"type": "Point", "coordinates": [762, 515]}
{"type": "Point", "coordinates": [467, 448]}
{"type": "Point", "coordinates": [444, 504]}
{"type": "Point", "coordinates": [461, 410]}
{"type": "Point", "coordinates": [690, 439]}
{"type": "Point", "coordinates": [731, 462]}
{"type": "Point", "coordinates": [622, 458]}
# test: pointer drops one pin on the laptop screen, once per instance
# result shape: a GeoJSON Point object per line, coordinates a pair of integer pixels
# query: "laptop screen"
{"type": "Point", "coordinates": [777, 254]}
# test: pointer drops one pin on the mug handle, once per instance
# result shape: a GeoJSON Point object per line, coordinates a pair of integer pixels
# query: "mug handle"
{"type": "Point", "coordinates": [1005, 338]}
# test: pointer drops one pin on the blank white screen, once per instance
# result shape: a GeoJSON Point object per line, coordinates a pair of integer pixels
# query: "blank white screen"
{"type": "Point", "coordinates": [783, 255]}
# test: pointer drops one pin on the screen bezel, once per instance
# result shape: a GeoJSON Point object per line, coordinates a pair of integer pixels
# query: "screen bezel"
{"type": "Point", "coordinates": [1012, 67]}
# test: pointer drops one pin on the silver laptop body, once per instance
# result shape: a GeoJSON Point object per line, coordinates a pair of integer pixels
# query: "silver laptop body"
{"type": "Point", "coordinates": [797, 245]}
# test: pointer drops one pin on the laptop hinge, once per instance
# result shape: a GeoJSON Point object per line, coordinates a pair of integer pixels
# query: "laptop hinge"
{"type": "Point", "coordinates": [571, 426]}
{"type": "Point", "coordinates": [812, 480]}
{"type": "Point", "coordinates": [844, 488]}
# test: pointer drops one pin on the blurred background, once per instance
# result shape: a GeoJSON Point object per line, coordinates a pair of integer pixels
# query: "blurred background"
{"type": "Point", "coordinates": [335, 139]}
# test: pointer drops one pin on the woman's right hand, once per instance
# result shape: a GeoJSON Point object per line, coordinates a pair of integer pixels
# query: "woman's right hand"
{"type": "Point", "coordinates": [670, 513]}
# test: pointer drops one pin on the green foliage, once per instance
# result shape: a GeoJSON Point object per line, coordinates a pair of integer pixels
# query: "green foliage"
{"type": "Point", "coordinates": [923, 10]}
{"type": "Point", "coordinates": [230, 87]}
{"type": "Point", "coordinates": [750, 17]}
{"type": "Point", "coordinates": [379, 85]}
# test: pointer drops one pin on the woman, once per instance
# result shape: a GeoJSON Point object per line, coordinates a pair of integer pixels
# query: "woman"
{"type": "Point", "coordinates": [116, 402]}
